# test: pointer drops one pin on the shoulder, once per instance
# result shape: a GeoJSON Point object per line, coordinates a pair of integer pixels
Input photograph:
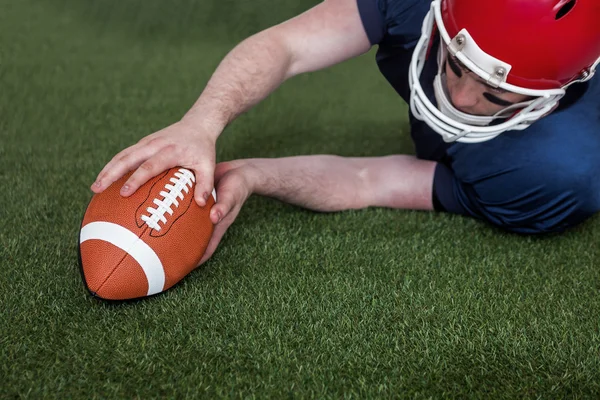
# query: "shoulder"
{"type": "Point", "coordinates": [393, 18]}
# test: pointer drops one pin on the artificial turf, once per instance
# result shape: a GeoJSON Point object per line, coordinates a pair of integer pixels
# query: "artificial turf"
{"type": "Point", "coordinates": [372, 303]}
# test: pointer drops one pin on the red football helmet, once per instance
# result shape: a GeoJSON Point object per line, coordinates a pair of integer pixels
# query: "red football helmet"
{"type": "Point", "coordinates": [533, 47]}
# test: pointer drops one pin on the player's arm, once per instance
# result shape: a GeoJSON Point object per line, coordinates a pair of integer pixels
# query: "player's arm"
{"type": "Point", "coordinates": [327, 34]}
{"type": "Point", "coordinates": [333, 183]}
{"type": "Point", "coordinates": [320, 37]}
{"type": "Point", "coordinates": [321, 183]}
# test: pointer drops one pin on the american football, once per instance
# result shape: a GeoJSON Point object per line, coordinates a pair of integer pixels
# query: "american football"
{"type": "Point", "coordinates": [137, 246]}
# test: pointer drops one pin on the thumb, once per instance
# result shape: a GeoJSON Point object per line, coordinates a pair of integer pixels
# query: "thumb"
{"type": "Point", "coordinates": [204, 182]}
{"type": "Point", "coordinates": [230, 192]}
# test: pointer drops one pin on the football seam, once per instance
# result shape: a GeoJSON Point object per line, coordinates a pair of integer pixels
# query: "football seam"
{"type": "Point", "coordinates": [120, 261]}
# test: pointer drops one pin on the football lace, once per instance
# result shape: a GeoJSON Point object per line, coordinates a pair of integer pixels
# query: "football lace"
{"type": "Point", "coordinates": [182, 181]}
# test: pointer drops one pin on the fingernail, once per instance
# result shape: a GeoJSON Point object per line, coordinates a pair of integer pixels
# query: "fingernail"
{"type": "Point", "coordinates": [205, 195]}
{"type": "Point", "coordinates": [97, 184]}
{"type": "Point", "coordinates": [125, 189]}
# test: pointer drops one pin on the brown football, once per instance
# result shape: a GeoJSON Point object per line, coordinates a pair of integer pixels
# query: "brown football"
{"type": "Point", "coordinates": [137, 246]}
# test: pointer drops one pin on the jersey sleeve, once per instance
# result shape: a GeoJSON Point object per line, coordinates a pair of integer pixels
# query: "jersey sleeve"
{"type": "Point", "coordinates": [372, 17]}
{"type": "Point", "coordinates": [523, 209]}
{"type": "Point", "coordinates": [395, 21]}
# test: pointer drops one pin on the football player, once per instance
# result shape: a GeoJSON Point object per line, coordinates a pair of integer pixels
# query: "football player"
{"type": "Point", "coordinates": [503, 112]}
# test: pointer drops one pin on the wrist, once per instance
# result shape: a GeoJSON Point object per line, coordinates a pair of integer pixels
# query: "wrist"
{"type": "Point", "coordinates": [207, 123]}
{"type": "Point", "coordinates": [256, 175]}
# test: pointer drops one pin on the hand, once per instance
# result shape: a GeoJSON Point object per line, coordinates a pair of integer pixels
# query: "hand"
{"type": "Point", "coordinates": [234, 180]}
{"type": "Point", "coordinates": [180, 144]}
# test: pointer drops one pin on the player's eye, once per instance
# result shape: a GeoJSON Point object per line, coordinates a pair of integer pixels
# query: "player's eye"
{"type": "Point", "coordinates": [453, 63]}
{"type": "Point", "coordinates": [497, 100]}
{"type": "Point", "coordinates": [457, 67]}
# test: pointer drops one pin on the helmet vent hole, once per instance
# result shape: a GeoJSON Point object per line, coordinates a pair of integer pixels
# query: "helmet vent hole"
{"type": "Point", "coordinates": [564, 10]}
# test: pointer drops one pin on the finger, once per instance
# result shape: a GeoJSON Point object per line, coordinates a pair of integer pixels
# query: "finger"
{"type": "Point", "coordinates": [149, 169]}
{"type": "Point", "coordinates": [231, 190]}
{"type": "Point", "coordinates": [102, 181]}
{"type": "Point", "coordinates": [128, 160]}
{"type": "Point", "coordinates": [217, 235]}
{"type": "Point", "coordinates": [204, 172]}
{"type": "Point", "coordinates": [212, 246]}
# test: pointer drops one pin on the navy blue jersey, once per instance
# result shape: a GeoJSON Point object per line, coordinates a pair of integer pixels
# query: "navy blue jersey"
{"type": "Point", "coordinates": [541, 179]}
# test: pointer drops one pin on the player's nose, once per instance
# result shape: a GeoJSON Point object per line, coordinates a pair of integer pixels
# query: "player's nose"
{"type": "Point", "coordinates": [463, 94]}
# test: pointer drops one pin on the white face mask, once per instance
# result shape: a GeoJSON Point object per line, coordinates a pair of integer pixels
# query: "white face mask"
{"type": "Point", "coordinates": [440, 87]}
{"type": "Point", "coordinates": [442, 96]}
{"type": "Point", "coordinates": [452, 124]}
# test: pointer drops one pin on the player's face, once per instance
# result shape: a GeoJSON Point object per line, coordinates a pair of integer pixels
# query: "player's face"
{"type": "Point", "coordinates": [472, 95]}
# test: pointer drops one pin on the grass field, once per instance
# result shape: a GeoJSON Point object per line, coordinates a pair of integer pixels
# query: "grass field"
{"type": "Point", "coordinates": [294, 304]}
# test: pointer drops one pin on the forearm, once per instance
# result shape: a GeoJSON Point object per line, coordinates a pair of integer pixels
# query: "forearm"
{"type": "Point", "coordinates": [324, 35]}
{"type": "Point", "coordinates": [332, 183]}
{"type": "Point", "coordinates": [248, 74]}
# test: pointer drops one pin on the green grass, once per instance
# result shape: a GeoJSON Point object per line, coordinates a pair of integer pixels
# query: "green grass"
{"type": "Point", "coordinates": [370, 303]}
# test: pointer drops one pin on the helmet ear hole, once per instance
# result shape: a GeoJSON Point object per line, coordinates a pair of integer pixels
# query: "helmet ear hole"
{"type": "Point", "coordinates": [564, 10]}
